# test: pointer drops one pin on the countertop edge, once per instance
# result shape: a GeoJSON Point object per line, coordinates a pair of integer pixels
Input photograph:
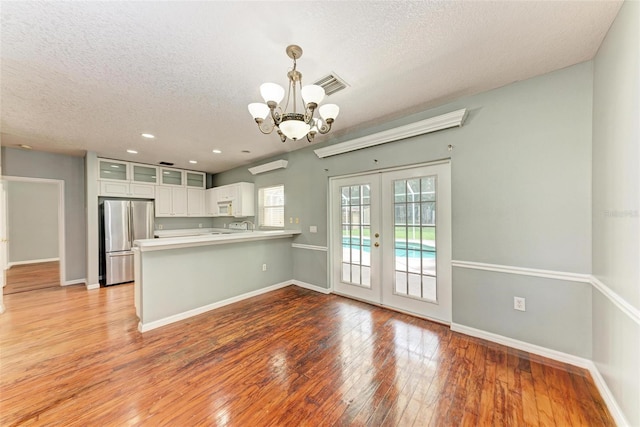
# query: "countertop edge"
{"type": "Point", "coordinates": [150, 245]}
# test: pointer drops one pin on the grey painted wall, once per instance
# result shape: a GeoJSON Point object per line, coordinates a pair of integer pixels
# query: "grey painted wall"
{"type": "Point", "coordinates": [38, 164]}
{"type": "Point", "coordinates": [616, 207]}
{"type": "Point", "coordinates": [178, 223]}
{"type": "Point", "coordinates": [32, 220]}
{"type": "Point", "coordinates": [178, 280]}
{"type": "Point", "coordinates": [521, 194]}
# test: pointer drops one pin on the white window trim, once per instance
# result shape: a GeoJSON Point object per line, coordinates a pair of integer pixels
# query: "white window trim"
{"type": "Point", "coordinates": [261, 208]}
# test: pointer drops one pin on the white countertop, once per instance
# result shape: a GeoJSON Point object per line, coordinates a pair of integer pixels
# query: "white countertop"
{"type": "Point", "coordinates": [183, 232]}
{"type": "Point", "coordinates": [188, 241]}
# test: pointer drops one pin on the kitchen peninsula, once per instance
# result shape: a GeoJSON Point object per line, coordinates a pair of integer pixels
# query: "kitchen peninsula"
{"type": "Point", "coordinates": [180, 277]}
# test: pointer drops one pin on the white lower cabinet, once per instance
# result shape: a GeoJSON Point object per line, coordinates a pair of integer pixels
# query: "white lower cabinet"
{"type": "Point", "coordinates": [171, 201]}
{"type": "Point", "coordinates": [126, 189]}
{"type": "Point", "coordinates": [195, 202]}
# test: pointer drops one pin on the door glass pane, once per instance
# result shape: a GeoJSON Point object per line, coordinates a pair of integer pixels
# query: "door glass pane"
{"type": "Point", "coordinates": [428, 188]}
{"type": "Point", "coordinates": [113, 170]}
{"type": "Point", "coordinates": [415, 231]}
{"type": "Point", "coordinates": [355, 203]}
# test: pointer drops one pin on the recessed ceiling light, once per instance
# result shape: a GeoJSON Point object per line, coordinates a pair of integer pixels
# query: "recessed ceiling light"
{"type": "Point", "coordinates": [217, 152]}
{"type": "Point", "coordinates": [25, 146]}
{"type": "Point", "coordinates": [193, 161]}
{"type": "Point", "coordinates": [132, 152]}
{"type": "Point", "coordinates": [148, 135]}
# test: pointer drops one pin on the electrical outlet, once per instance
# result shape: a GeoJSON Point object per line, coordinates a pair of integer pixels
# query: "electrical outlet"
{"type": "Point", "coordinates": [297, 220]}
{"type": "Point", "coordinates": [290, 220]}
{"type": "Point", "coordinates": [160, 226]}
{"type": "Point", "coordinates": [519, 304]}
{"type": "Point", "coordinates": [264, 267]}
{"type": "Point", "coordinates": [313, 229]}
{"type": "Point", "coordinates": [199, 225]}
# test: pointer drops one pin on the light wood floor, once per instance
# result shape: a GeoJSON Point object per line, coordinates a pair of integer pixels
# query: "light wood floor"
{"type": "Point", "coordinates": [30, 277]}
{"type": "Point", "coordinates": [291, 357]}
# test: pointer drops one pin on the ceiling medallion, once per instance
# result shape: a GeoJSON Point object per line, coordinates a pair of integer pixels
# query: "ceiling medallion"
{"type": "Point", "coordinates": [293, 125]}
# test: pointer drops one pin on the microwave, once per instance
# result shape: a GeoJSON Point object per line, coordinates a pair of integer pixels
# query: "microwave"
{"type": "Point", "coordinates": [225, 208]}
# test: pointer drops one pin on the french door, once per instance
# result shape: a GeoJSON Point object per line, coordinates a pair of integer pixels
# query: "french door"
{"type": "Point", "coordinates": [391, 239]}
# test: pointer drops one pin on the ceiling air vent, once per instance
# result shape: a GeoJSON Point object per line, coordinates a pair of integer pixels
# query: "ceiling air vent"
{"type": "Point", "coordinates": [331, 84]}
{"type": "Point", "coordinates": [166, 163]}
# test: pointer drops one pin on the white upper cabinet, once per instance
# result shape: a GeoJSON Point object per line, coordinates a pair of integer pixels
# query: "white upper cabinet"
{"type": "Point", "coordinates": [176, 192]}
{"type": "Point", "coordinates": [113, 170]}
{"type": "Point", "coordinates": [144, 173]}
{"type": "Point", "coordinates": [195, 179]}
{"type": "Point", "coordinates": [171, 201]}
{"type": "Point", "coordinates": [122, 179]}
{"type": "Point", "coordinates": [172, 177]}
{"type": "Point", "coordinates": [195, 202]}
{"type": "Point", "coordinates": [237, 200]}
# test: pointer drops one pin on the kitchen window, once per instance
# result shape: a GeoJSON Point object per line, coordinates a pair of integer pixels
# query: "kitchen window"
{"type": "Point", "coordinates": [271, 206]}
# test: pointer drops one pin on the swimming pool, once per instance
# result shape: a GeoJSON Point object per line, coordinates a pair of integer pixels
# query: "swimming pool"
{"type": "Point", "coordinates": [403, 248]}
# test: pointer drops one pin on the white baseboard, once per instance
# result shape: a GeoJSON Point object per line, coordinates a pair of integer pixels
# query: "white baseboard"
{"type": "Point", "coordinates": [311, 287]}
{"type": "Point", "coordinates": [74, 282]}
{"type": "Point", "coordinates": [522, 345]}
{"type": "Point", "coordinates": [93, 286]}
{"type": "Point", "coordinates": [612, 404]}
{"type": "Point", "coordinates": [560, 356]}
{"type": "Point", "coordinates": [144, 327]}
{"type": "Point", "coordinates": [31, 261]}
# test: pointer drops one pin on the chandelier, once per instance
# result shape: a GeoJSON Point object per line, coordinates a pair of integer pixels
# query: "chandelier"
{"type": "Point", "coordinates": [293, 125]}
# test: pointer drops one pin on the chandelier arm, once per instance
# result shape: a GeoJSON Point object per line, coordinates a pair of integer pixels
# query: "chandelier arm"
{"type": "Point", "coordinates": [326, 127]}
{"type": "Point", "coordinates": [283, 138]}
{"type": "Point", "coordinates": [309, 113]}
{"type": "Point", "coordinates": [265, 127]}
{"type": "Point", "coordinates": [276, 115]}
{"type": "Point", "coordinates": [310, 136]}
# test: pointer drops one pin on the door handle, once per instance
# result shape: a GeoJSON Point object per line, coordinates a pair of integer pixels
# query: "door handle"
{"type": "Point", "coordinates": [377, 235]}
{"type": "Point", "coordinates": [376, 244]}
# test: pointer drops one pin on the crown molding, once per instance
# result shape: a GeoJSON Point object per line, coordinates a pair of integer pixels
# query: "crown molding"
{"type": "Point", "coordinates": [433, 124]}
{"type": "Point", "coordinates": [278, 164]}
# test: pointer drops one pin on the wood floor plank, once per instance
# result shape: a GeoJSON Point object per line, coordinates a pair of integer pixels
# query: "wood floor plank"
{"type": "Point", "coordinates": [289, 357]}
{"type": "Point", "coordinates": [32, 277]}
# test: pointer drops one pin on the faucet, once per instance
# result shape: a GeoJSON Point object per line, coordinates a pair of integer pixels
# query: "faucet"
{"type": "Point", "coordinates": [251, 225]}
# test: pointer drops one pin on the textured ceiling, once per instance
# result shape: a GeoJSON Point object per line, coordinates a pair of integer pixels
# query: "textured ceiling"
{"type": "Point", "coordinates": [79, 76]}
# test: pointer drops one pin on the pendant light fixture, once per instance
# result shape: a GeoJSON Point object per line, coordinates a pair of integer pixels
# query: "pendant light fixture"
{"type": "Point", "coordinates": [293, 125]}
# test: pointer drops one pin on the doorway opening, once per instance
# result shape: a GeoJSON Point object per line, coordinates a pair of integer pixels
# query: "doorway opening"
{"type": "Point", "coordinates": [34, 224]}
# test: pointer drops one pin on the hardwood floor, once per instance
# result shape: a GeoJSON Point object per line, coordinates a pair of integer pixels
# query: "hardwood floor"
{"type": "Point", "coordinates": [292, 357]}
{"type": "Point", "coordinates": [30, 277]}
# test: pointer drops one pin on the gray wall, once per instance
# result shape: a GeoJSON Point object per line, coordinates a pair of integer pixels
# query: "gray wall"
{"type": "Point", "coordinates": [38, 164]}
{"type": "Point", "coordinates": [32, 220]}
{"type": "Point", "coordinates": [208, 274]}
{"type": "Point", "coordinates": [616, 207]}
{"type": "Point", "coordinates": [178, 223]}
{"type": "Point", "coordinates": [521, 168]}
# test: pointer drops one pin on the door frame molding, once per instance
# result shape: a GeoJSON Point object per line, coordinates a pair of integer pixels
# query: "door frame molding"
{"type": "Point", "coordinates": [330, 206]}
{"type": "Point", "coordinates": [61, 228]}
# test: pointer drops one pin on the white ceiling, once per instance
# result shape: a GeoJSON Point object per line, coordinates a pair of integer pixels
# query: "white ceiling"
{"type": "Point", "coordinates": [79, 76]}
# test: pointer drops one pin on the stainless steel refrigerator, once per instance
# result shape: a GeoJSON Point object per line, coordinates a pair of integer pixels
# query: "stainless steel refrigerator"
{"type": "Point", "coordinates": [123, 221]}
